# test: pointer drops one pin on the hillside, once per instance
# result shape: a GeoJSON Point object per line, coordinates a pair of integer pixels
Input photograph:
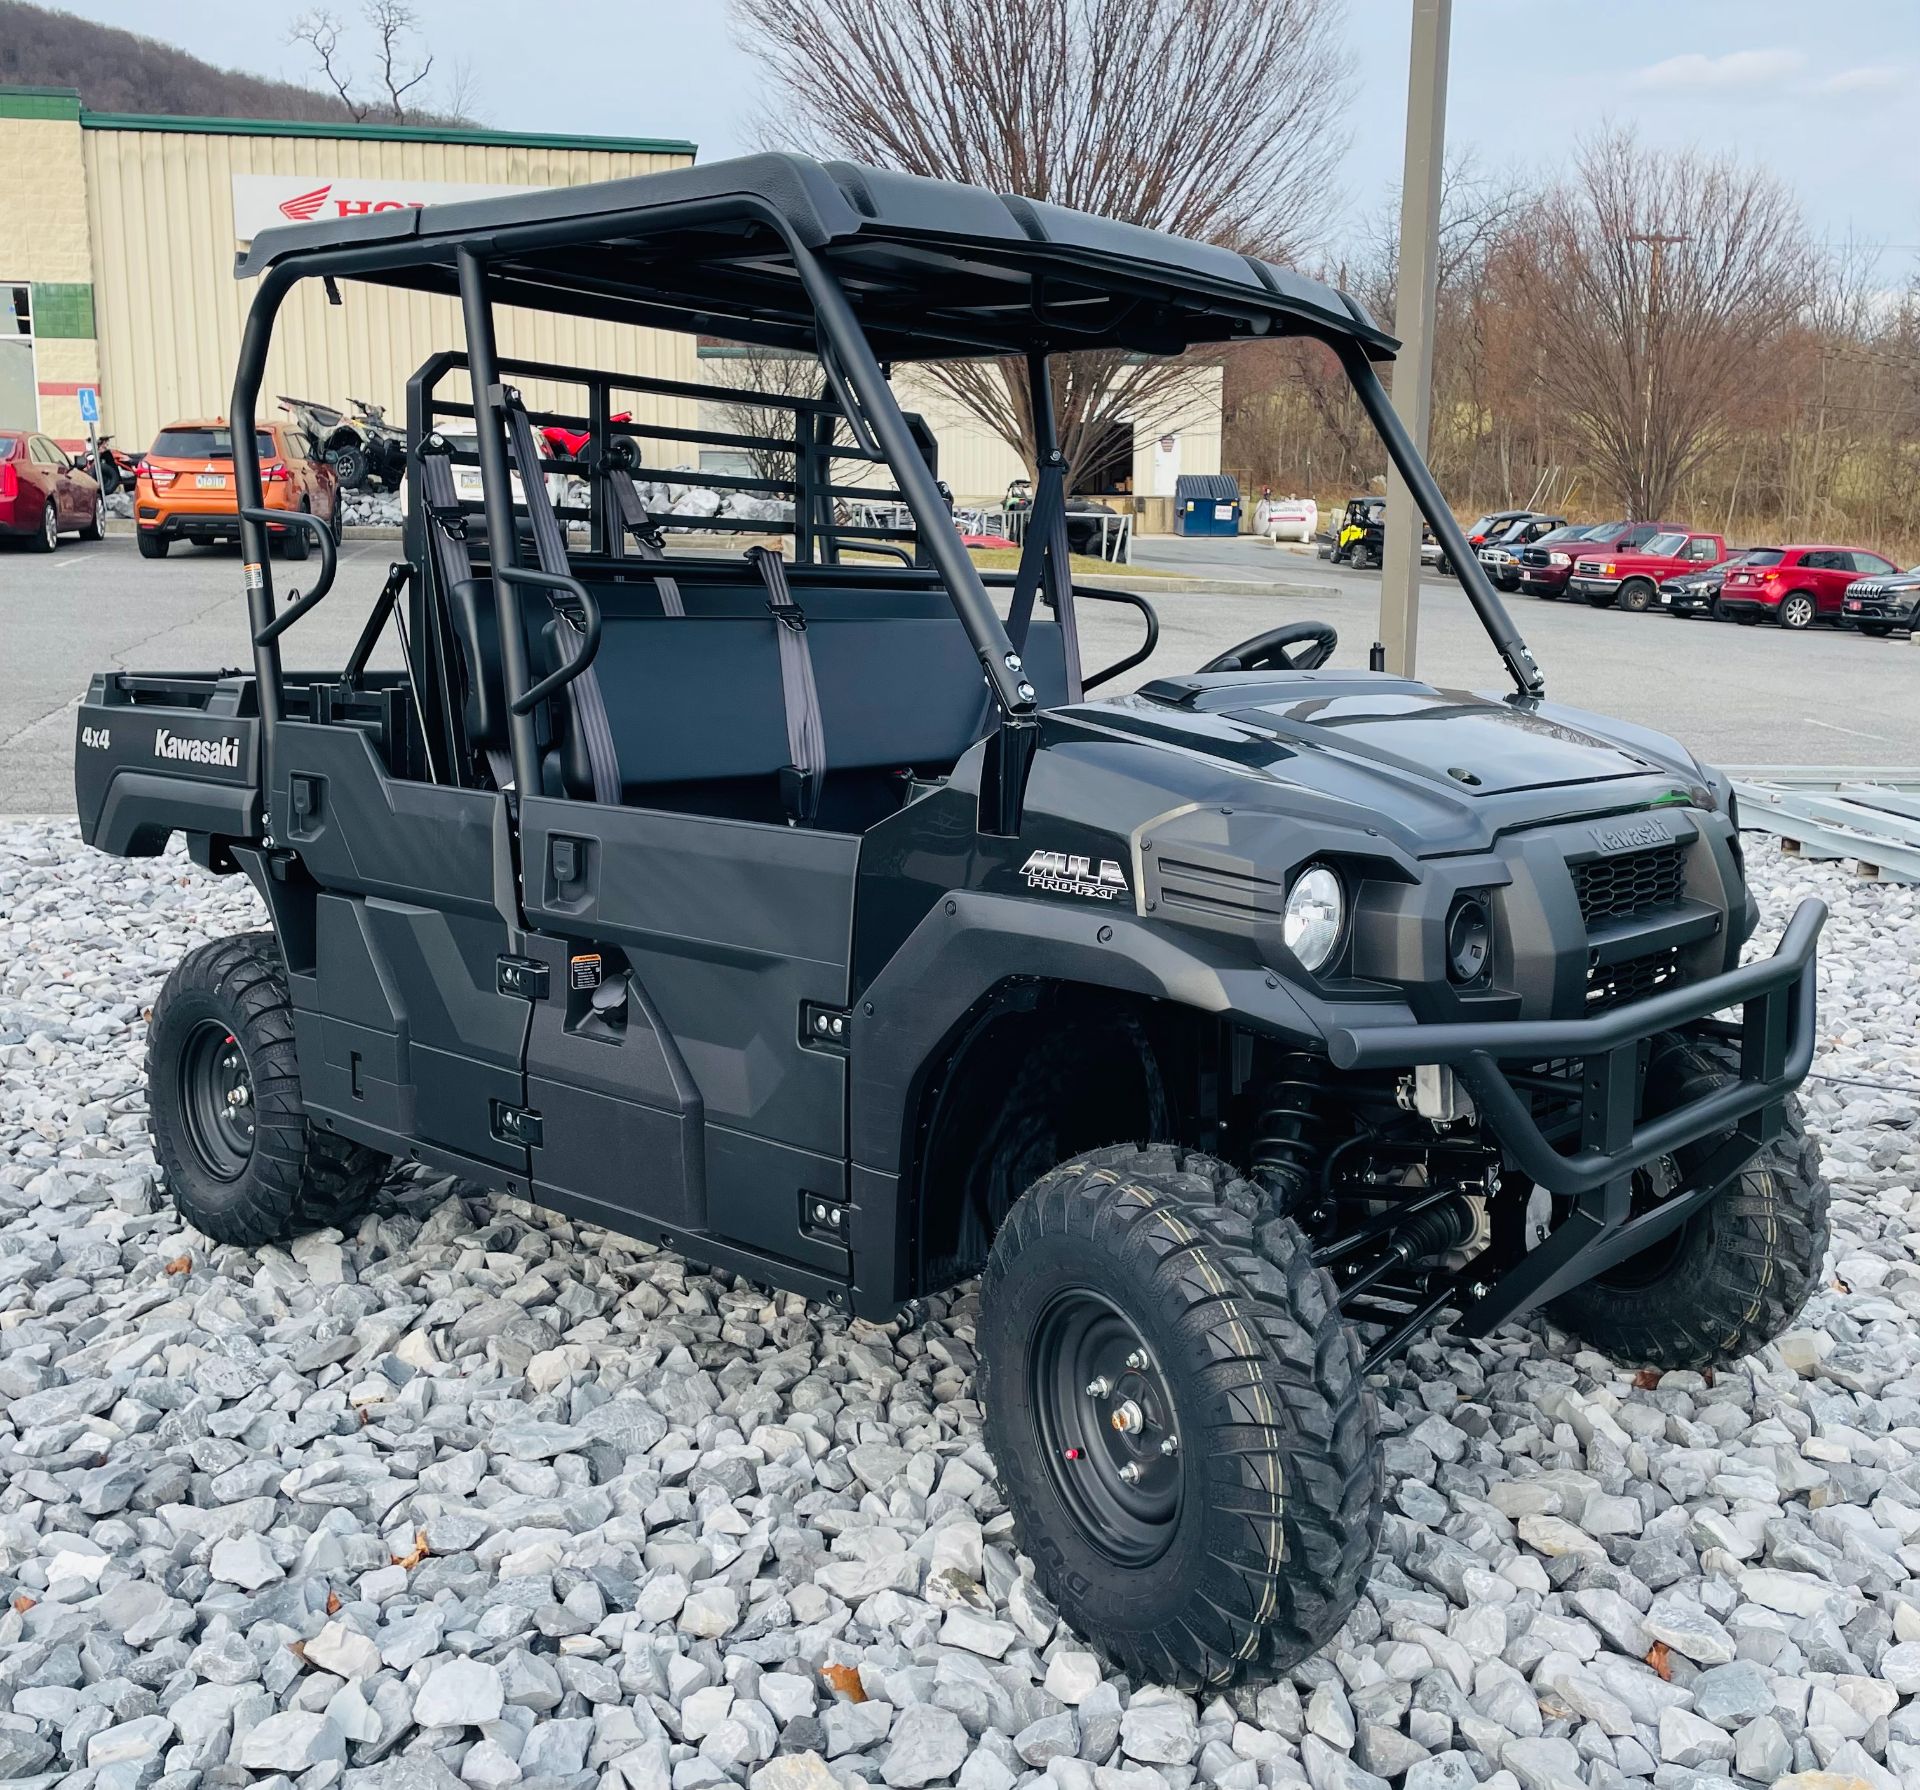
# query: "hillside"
{"type": "Point", "coordinates": [120, 71]}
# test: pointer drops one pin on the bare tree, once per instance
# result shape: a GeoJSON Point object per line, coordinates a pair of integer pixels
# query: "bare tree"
{"type": "Point", "coordinates": [778, 374]}
{"type": "Point", "coordinates": [320, 31]}
{"type": "Point", "coordinates": [1217, 119]}
{"type": "Point", "coordinates": [395, 25]}
{"type": "Point", "coordinates": [1658, 283]}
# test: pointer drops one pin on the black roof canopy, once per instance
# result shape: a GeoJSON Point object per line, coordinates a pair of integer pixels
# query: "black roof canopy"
{"type": "Point", "coordinates": [932, 269]}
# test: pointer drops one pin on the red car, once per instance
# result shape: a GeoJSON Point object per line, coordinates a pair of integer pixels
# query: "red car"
{"type": "Point", "coordinates": [1797, 585]}
{"type": "Point", "coordinates": [1632, 578]}
{"type": "Point", "coordinates": [1544, 570]}
{"type": "Point", "coordinates": [43, 495]}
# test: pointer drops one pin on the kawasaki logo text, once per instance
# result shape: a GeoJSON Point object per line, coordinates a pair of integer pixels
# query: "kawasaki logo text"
{"type": "Point", "coordinates": [181, 747]}
{"type": "Point", "coordinates": [1063, 874]}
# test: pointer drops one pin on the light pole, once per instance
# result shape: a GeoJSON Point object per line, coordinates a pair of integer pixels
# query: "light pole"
{"type": "Point", "coordinates": [1658, 241]}
{"type": "Point", "coordinates": [1413, 319]}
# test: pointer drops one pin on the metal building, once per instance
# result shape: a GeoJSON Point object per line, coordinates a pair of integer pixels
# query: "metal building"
{"type": "Point", "coordinates": [116, 259]}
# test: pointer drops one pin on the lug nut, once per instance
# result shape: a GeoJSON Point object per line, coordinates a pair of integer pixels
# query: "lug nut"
{"type": "Point", "coordinates": [1138, 1361]}
{"type": "Point", "coordinates": [1130, 1473]}
{"type": "Point", "coordinates": [1126, 1417]}
{"type": "Point", "coordinates": [1099, 1386]}
{"type": "Point", "coordinates": [1169, 1444]}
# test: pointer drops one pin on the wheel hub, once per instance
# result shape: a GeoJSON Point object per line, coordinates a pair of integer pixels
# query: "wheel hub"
{"type": "Point", "coordinates": [216, 1097]}
{"type": "Point", "coordinates": [1109, 1425]}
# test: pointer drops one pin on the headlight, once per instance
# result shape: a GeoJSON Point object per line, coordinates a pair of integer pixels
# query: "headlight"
{"type": "Point", "coordinates": [1316, 906]}
{"type": "Point", "coordinates": [1558, 559]}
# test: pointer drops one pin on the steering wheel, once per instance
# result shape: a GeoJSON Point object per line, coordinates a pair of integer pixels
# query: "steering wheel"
{"type": "Point", "coordinates": [1268, 651]}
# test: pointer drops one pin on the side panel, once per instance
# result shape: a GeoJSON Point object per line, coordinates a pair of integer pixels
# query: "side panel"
{"type": "Point", "coordinates": [401, 1023]}
{"type": "Point", "coordinates": [728, 930]}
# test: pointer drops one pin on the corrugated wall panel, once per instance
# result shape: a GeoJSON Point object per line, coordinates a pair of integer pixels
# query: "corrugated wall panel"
{"type": "Point", "coordinates": [160, 211]}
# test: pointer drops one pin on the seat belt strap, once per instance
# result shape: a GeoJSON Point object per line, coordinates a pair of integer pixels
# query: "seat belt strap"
{"type": "Point", "coordinates": [1049, 499]}
{"type": "Point", "coordinates": [588, 703]}
{"type": "Point", "coordinates": [647, 538]}
{"type": "Point", "coordinates": [806, 733]}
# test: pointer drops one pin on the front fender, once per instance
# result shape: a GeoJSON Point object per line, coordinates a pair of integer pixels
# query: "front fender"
{"type": "Point", "coordinates": [971, 942]}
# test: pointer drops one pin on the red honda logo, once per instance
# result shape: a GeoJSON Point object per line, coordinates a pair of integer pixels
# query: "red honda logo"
{"type": "Point", "coordinates": [303, 206]}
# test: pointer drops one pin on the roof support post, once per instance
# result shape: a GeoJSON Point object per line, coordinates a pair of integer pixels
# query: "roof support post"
{"type": "Point", "coordinates": [496, 481]}
{"type": "Point", "coordinates": [1405, 459]}
{"type": "Point", "coordinates": [255, 545]}
{"type": "Point", "coordinates": [1413, 319]}
{"type": "Point", "coordinates": [1011, 690]}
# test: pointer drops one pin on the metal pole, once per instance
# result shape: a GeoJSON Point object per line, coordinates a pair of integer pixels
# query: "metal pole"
{"type": "Point", "coordinates": [1413, 319]}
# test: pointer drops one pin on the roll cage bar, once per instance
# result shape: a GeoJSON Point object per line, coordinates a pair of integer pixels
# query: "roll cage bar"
{"type": "Point", "coordinates": [756, 263]}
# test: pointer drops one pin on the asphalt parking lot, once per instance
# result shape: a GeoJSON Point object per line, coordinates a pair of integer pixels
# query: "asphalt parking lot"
{"type": "Point", "coordinates": [1735, 695]}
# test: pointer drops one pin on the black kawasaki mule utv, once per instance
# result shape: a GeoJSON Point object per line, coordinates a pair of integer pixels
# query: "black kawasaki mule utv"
{"type": "Point", "coordinates": [806, 917]}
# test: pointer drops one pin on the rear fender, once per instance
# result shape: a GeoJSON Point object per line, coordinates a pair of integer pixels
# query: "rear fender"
{"type": "Point", "coordinates": [142, 773]}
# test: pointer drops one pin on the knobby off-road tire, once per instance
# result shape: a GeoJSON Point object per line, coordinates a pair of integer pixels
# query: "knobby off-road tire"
{"type": "Point", "coordinates": [1738, 1271]}
{"type": "Point", "coordinates": [223, 1022]}
{"type": "Point", "coordinates": [1250, 1542]}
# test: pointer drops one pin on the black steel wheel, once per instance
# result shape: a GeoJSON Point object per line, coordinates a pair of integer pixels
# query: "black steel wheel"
{"type": "Point", "coordinates": [242, 1161]}
{"type": "Point", "coordinates": [1107, 1420]}
{"type": "Point", "coordinates": [216, 1100]}
{"type": "Point", "coordinates": [1177, 1413]}
{"type": "Point", "coordinates": [1730, 1278]}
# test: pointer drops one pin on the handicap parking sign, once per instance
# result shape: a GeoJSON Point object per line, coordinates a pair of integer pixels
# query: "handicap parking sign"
{"type": "Point", "coordinates": [89, 404]}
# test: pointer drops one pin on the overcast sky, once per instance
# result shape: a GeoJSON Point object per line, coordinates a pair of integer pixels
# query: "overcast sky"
{"type": "Point", "coordinates": [1822, 93]}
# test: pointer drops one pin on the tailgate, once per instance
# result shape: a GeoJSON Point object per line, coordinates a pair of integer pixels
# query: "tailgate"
{"type": "Point", "coordinates": [156, 755]}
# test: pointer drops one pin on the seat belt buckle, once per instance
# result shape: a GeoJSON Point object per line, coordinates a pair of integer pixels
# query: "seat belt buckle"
{"type": "Point", "coordinates": [799, 792]}
{"type": "Point", "coordinates": [789, 614]}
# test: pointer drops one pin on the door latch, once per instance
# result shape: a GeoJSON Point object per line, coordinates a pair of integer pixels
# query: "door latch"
{"type": "Point", "coordinates": [823, 1027]}
{"type": "Point", "coordinates": [520, 976]}
{"type": "Point", "coordinates": [518, 1125]}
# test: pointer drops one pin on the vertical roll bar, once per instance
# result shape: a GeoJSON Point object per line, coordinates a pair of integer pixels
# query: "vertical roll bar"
{"type": "Point", "coordinates": [978, 616]}
{"type": "Point", "coordinates": [1427, 499]}
{"type": "Point", "coordinates": [1057, 567]}
{"type": "Point", "coordinates": [254, 540]}
{"type": "Point", "coordinates": [496, 478]}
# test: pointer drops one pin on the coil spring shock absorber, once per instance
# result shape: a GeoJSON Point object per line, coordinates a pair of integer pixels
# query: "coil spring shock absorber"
{"type": "Point", "coordinates": [1290, 1135]}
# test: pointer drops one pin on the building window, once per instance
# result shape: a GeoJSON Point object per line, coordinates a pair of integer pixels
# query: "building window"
{"type": "Point", "coordinates": [19, 389]}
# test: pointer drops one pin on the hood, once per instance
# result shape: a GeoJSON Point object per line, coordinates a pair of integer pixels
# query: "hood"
{"type": "Point", "coordinates": [1439, 769]}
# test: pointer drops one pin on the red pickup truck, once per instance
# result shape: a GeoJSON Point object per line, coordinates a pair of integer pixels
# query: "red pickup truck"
{"type": "Point", "coordinates": [1632, 576]}
{"type": "Point", "coordinates": [1545, 568]}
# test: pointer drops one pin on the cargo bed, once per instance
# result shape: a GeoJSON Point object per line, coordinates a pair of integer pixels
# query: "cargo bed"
{"type": "Point", "coordinates": [159, 753]}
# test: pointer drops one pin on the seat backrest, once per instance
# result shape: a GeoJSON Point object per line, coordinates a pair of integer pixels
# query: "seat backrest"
{"type": "Point", "coordinates": [698, 698]}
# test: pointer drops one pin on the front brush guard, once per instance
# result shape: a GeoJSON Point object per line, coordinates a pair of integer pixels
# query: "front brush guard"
{"type": "Point", "coordinates": [1776, 996]}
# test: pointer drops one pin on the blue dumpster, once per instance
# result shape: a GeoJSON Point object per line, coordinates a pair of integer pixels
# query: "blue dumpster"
{"type": "Point", "coordinates": [1206, 503]}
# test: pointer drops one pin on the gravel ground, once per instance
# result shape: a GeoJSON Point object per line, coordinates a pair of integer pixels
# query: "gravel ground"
{"type": "Point", "coordinates": [476, 1494]}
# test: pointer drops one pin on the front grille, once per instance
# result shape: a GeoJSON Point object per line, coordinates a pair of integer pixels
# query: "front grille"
{"type": "Point", "coordinates": [1534, 556]}
{"type": "Point", "coordinates": [1629, 883]}
{"type": "Point", "coordinates": [1614, 984]}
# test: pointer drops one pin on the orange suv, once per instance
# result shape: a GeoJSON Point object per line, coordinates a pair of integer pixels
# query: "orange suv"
{"type": "Point", "coordinates": [185, 490]}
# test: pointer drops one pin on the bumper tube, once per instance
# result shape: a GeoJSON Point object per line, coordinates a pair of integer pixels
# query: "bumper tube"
{"type": "Point", "coordinates": [1776, 1041]}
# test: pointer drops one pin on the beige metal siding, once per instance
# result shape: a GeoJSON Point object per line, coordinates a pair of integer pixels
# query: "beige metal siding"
{"type": "Point", "coordinates": [160, 211]}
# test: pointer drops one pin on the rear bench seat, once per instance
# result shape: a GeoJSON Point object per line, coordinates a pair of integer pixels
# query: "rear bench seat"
{"type": "Point", "coordinates": [695, 706]}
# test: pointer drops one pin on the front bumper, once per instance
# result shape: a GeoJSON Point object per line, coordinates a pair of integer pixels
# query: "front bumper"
{"type": "Point", "coordinates": [1877, 612]}
{"type": "Point", "coordinates": [1775, 1035]}
{"type": "Point", "coordinates": [1586, 586]}
{"type": "Point", "coordinates": [1537, 583]}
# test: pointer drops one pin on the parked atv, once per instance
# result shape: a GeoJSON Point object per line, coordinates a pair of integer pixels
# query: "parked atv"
{"type": "Point", "coordinates": [811, 919]}
{"type": "Point", "coordinates": [364, 449]}
{"type": "Point", "coordinates": [1360, 536]}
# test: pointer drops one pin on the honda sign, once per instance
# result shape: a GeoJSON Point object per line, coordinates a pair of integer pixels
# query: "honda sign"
{"type": "Point", "coordinates": [271, 201]}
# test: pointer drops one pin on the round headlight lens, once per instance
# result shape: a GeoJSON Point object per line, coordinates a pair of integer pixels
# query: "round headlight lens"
{"type": "Point", "coordinates": [1316, 906]}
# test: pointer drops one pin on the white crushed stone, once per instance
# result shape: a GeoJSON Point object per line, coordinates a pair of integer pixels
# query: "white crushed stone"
{"type": "Point", "coordinates": [480, 1495]}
